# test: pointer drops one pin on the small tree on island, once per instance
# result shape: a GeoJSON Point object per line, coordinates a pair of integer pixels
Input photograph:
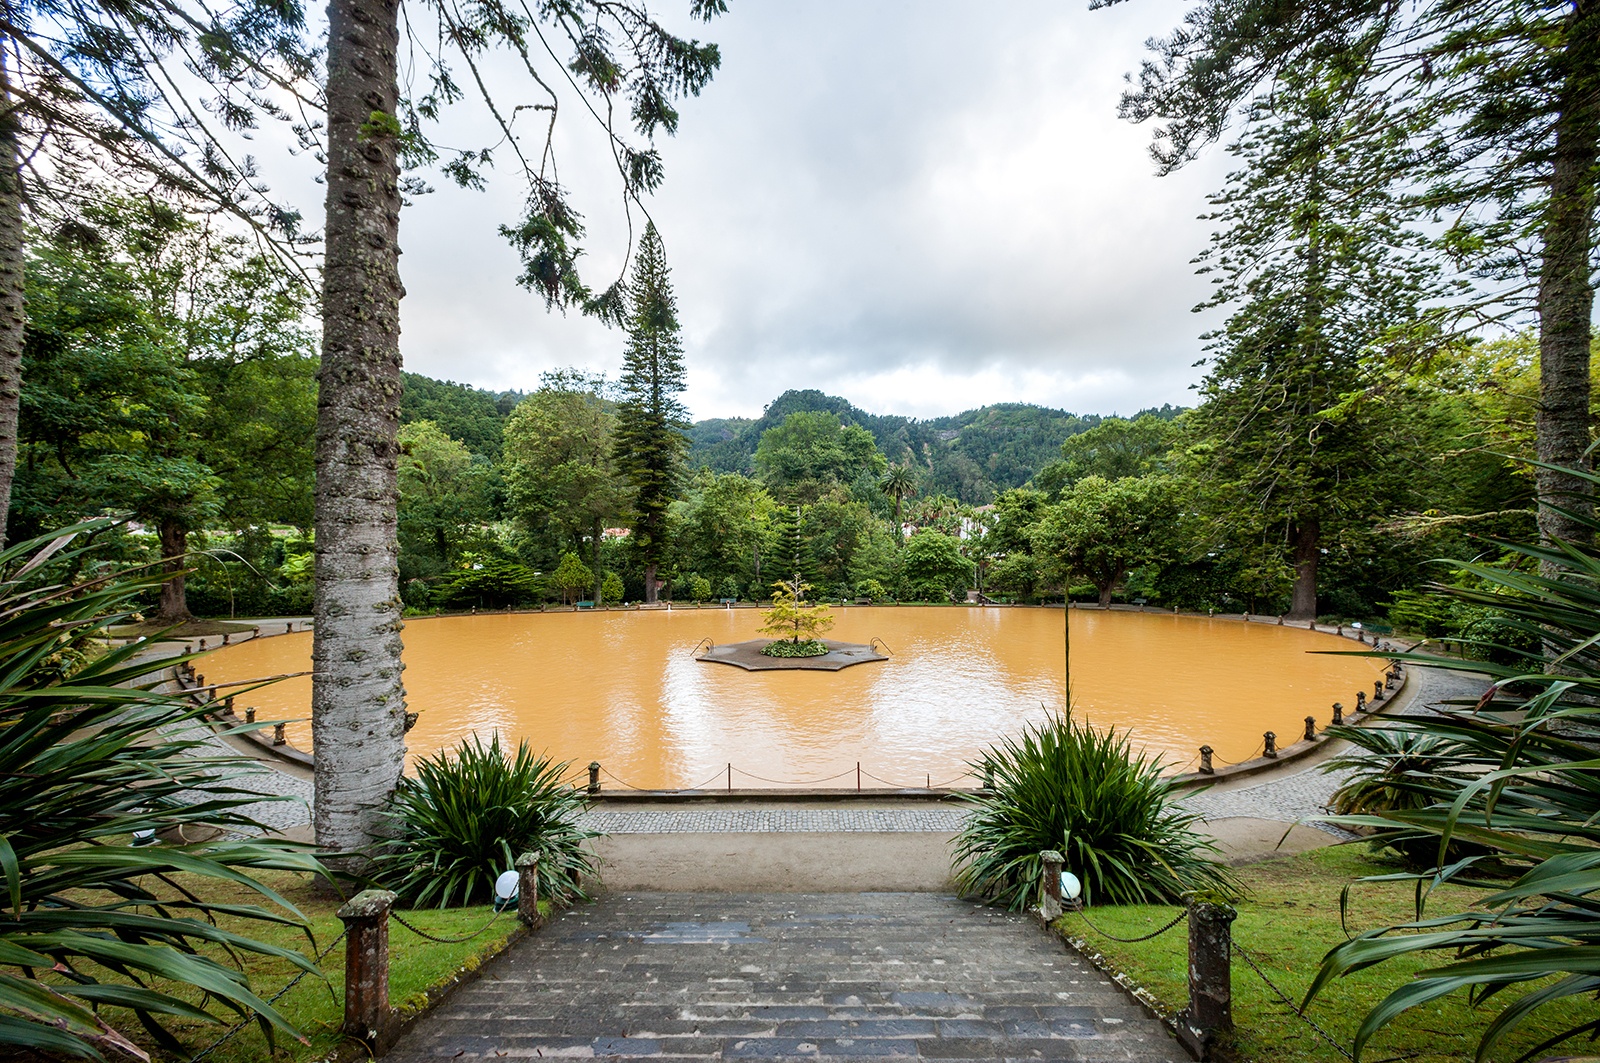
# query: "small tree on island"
{"type": "Point", "coordinates": [791, 618]}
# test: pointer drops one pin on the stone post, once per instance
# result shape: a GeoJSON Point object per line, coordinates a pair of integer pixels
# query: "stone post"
{"type": "Point", "coordinates": [1338, 714]}
{"type": "Point", "coordinates": [594, 777]}
{"type": "Point", "coordinates": [1205, 761]}
{"type": "Point", "coordinates": [250, 714]}
{"type": "Point", "coordinates": [366, 967]}
{"type": "Point", "coordinates": [1377, 691]}
{"type": "Point", "coordinates": [1361, 701]}
{"type": "Point", "coordinates": [528, 889]}
{"type": "Point", "coordinates": [1269, 745]}
{"type": "Point", "coordinates": [1209, 1015]}
{"type": "Point", "coordinates": [227, 705]}
{"type": "Point", "coordinates": [278, 736]}
{"type": "Point", "coordinates": [1050, 865]}
{"type": "Point", "coordinates": [1311, 728]}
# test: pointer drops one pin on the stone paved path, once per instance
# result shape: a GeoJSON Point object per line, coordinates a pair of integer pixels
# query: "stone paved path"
{"type": "Point", "coordinates": [789, 976]}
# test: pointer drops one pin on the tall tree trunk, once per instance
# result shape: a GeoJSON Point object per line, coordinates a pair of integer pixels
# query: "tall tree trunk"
{"type": "Point", "coordinates": [650, 582]}
{"type": "Point", "coordinates": [357, 699]}
{"type": "Point", "coordinates": [1566, 293]}
{"type": "Point", "coordinates": [1105, 596]}
{"type": "Point", "coordinates": [1307, 553]}
{"type": "Point", "coordinates": [13, 310]}
{"type": "Point", "coordinates": [174, 603]}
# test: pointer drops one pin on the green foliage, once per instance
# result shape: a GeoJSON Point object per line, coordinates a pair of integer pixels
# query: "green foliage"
{"type": "Point", "coordinates": [810, 452]}
{"type": "Point", "coordinates": [572, 576]}
{"type": "Point", "coordinates": [872, 590]}
{"type": "Point", "coordinates": [472, 415]}
{"type": "Point", "coordinates": [787, 648]}
{"type": "Point", "coordinates": [490, 583]}
{"type": "Point", "coordinates": [649, 441]}
{"type": "Point", "coordinates": [932, 565]}
{"type": "Point", "coordinates": [611, 588]}
{"type": "Point", "coordinates": [1102, 528]}
{"type": "Point", "coordinates": [1113, 449]}
{"type": "Point", "coordinates": [791, 617]}
{"type": "Point", "coordinates": [1085, 794]}
{"type": "Point", "coordinates": [1514, 775]}
{"type": "Point", "coordinates": [470, 812]}
{"type": "Point", "coordinates": [699, 588]}
{"type": "Point", "coordinates": [722, 525]}
{"type": "Point", "coordinates": [444, 493]}
{"type": "Point", "coordinates": [90, 754]}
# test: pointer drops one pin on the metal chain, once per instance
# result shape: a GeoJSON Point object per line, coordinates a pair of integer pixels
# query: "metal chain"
{"type": "Point", "coordinates": [446, 941]}
{"type": "Point", "coordinates": [249, 1021]}
{"type": "Point", "coordinates": [1324, 1034]}
{"type": "Point", "coordinates": [1180, 917]}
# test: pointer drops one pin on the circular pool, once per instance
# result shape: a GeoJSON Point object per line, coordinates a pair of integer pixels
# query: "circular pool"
{"type": "Point", "coordinates": [624, 688]}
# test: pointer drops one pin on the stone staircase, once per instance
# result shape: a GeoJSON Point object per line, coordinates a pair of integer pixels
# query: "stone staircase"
{"type": "Point", "coordinates": [789, 976]}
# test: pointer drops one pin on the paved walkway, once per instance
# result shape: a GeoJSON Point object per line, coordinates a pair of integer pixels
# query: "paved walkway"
{"type": "Point", "coordinates": [789, 976]}
{"type": "Point", "coordinates": [701, 820]}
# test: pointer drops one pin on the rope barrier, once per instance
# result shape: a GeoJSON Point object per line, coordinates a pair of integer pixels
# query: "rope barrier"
{"type": "Point", "coordinates": [233, 1030]}
{"type": "Point", "coordinates": [1324, 1034]}
{"type": "Point", "coordinates": [792, 782]}
{"type": "Point", "coordinates": [1259, 747]}
{"type": "Point", "coordinates": [446, 941]}
{"type": "Point", "coordinates": [1180, 917]}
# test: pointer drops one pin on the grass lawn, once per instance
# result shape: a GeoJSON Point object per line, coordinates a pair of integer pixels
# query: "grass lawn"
{"type": "Point", "coordinates": [316, 1006]}
{"type": "Point", "coordinates": [1289, 922]}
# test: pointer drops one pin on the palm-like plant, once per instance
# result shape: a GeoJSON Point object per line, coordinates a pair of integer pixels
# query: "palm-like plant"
{"type": "Point", "coordinates": [1523, 781]}
{"type": "Point", "coordinates": [897, 482]}
{"type": "Point", "coordinates": [1088, 795]}
{"type": "Point", "coordinates": [471, 812]}
{"type": "Point", "coordinates": [89, 755]}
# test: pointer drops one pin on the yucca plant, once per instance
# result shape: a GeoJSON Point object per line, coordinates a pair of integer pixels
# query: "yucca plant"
{"type": "Point", "coordinates": [1398, 769]}
{"type": "Point", "coordinates": [1523, 783]}
{"type": "Point", "coordinates": [95, 934]}
{"type": "Point", "coordinates": [1088, 795]}
{"type": "Point", "coordinates": [467, 816]}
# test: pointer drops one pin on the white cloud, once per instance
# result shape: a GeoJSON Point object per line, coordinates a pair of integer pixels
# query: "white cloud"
{"type": "Point", "coordinates": [919, 205]}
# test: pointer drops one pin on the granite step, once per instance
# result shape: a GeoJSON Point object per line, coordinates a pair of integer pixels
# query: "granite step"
{"type": "Point", "coordinates": [835, 977]}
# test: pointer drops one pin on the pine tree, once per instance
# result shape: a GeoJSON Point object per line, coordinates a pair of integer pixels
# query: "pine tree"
{"type": "Point", "coordinates": [651, 421]}
{"type": "Point", "coordinates": [1320, 269]}
{"type": "Point", "coordinates": [788, 556]}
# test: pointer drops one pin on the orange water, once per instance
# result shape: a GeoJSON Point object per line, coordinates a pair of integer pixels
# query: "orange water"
{"type": "Point", "coordinates": [626, 690]}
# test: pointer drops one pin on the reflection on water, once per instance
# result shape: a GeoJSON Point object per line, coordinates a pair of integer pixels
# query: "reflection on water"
{"type": "Point", "coordinates": [625, 689]}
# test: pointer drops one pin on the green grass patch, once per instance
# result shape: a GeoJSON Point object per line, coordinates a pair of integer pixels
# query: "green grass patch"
{"type": "Point", "coordinates": [316, 1007]}
{"type": "Point", "coordinates": [1288, 923]}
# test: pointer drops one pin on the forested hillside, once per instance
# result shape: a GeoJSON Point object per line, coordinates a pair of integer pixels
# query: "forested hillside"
{"type": "Point", "coordinates": [970, 456]}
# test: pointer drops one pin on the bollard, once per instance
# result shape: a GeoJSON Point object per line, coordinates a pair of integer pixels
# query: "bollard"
{"type": "Point", "coordinates": [1209, 1016]}
{"type": "Point", "coordinates": [366, 966]}
{"type": "Point", "coordinates": [1269, 745]}
{"type": "Point", "coordinates": [1311, 728]}
{"type": "Point", "coordinates": [1361, 701]}
{"type": "Point", "coordinates": [1340, 632]}
{"type": "Point", "coordinates": [411, 721]}
{"type": "Point", "coordinates": [528, 890]}
{"type": "Point", "coordinates": [278, 737]}
{"type": "Point", "coordinates": [199, 680]}
{"type": "Point", "coordinates": [225, 638]}
{"type": "Point", "coordinates": [594, 777]}
{"type": "Point", "coordinates": [988, 777]}
{"type": "Point", "coordinates": [250, 714]}
{"type": "Point", "coordinates": [1205, 761]}
{"type": "Point", "coordinates": [227, 704]}
{"type": "Point", "coordinates": [1050, 865]}
{"type": "Point", "coordinates": [1338, 714]}
{"type": "Point", "coordinates": [202, 644]}
{"type": "Point", "coordinates": [1377, 691]}
{"type": "Point", "coordinates": [1280, 621]}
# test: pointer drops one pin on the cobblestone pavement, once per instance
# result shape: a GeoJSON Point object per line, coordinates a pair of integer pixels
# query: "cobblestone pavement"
{"type": "Point", "coordinates": [788, 976]}
{"type": "Point", "coordinates": [785, 821]}
{"type": "Point", "coordinates": [1288, 798]}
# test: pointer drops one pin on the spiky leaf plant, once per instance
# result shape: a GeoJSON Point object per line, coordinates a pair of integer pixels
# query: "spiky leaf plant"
{"type": "Point", "coordinates": [1085, 793]}
{"type": "Point", "coordinates": [89, 754]}
{"type": "Point", "coordinates": [470, 812]}
{"type": "Point", "coordinates": [1524, 784]}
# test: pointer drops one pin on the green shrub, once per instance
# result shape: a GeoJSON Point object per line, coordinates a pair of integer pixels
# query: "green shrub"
{"type": "Point", "coordinates": [493, 583]}
{"type": "Point", "coordinates": [871, 590]}
{"type": "Point", "coordinates": [470, 813]}
{"type": "Point", "coordinates": [699, 588]}
{"type": "Point", "coordinates": [788, 648]}
{"type": "Point", "coordinates": [1087, 795]}
{"type": "Point", "coordinates": [93, 930]}
{"type": "Point", "coordinates": [611, 588]}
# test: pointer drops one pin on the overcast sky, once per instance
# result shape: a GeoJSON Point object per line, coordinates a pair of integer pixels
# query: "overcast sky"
{"type": "Point", "coordinates": [923, 206]}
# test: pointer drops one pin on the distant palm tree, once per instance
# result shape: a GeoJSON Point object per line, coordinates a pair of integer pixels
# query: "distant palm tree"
{"type": "Point", "coordinates": [898, 482]}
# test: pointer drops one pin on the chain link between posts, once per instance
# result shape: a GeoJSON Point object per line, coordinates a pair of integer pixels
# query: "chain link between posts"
{"type": "Point", "coordinates": [447, 941]}
{"type": "Point", "coordinates": [1180, 917]}
{"type": "Point", "coordinates": [1293, 1008]}
{"type": "Point", "coordinates": [234, 1030]}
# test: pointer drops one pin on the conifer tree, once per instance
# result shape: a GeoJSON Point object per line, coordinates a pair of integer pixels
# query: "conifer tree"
{"type": "Point", "coordinates": [789, 548]}
{"type": "Point", "coordinates": [651, 421]}
{"type": "Point", "coordinates": [1320, 269]}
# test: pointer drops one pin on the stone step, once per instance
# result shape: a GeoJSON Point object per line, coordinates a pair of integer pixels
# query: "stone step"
{"type": "Point", "coordinates": [836, 977]}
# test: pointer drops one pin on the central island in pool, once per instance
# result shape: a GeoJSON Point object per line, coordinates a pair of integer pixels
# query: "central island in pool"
{"type": "Point", "coordinates": [748, 655]}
